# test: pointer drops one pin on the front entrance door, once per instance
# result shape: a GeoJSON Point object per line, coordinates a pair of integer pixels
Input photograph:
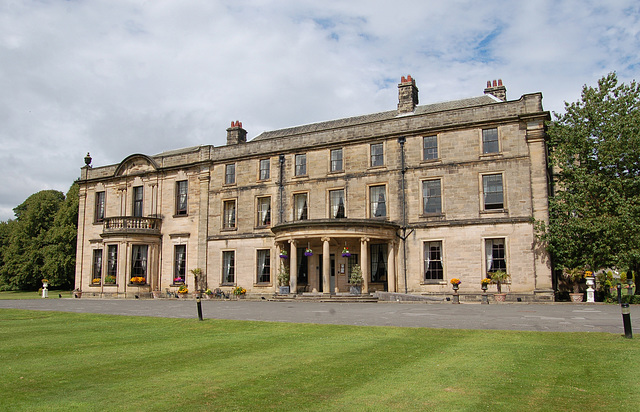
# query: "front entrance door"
{"type": "Point", "coordinates": [332, 275]}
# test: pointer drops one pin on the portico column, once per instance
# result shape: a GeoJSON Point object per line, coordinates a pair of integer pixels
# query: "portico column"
{"type": "Point", "coordinates": [364, 263]}
{"type": "Point", "coordinates": [326, 266]}
{"type": "Point", "coordinates": [293, 266]}
{"type": "Point", "coordinates": [391, 264]}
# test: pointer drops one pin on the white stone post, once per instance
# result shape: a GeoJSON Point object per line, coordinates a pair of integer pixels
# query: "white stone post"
{"type": "Point", "coordinates": [590, 290]}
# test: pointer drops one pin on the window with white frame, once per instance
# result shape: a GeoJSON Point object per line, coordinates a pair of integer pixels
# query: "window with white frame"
{"type": "Point", "coordinates": [336, 203]}
{"type": "Point", "coordinates": [139, 261]}
{"type": "Point", "coordinates": [378, 262]}
{"type": "Point", "coordinates": [182, 188]}
{"type": "Point", "coordinates": [429, 147]}
{"type": "Point", "coordinates": [138, 196]}
{"type": "Point", "coordinates": [351, 263]}
{"type": "Point", "coordinates": [300, 211]}
{"type": "Point", "coordinates": [264, 211]}
{"type": "Point", "coordinates": [97, 266]}
{"type": "Point", "coordinates": [377, 154]}
{"type": "Point", "coordinates": [490, 142]}
{"type": "Point", "coordinates": [336, 160]}
{"type": "Point", "coordinates": [496, 255]}
{"type": "Point", "coordinates": [179, 264]}
{"type": "Point", "coordinates": [264, 265]}
{"type": "Point", "coordinates": [100, 201]}
{"type": "Point", "coordinates": [377, 201]}
{"type": "Point", "coordinates": [431, 197]}
{"type": "Point", "coordinates": [265, 169]}
{"type": "Point", "coordinates": [230, 174]}
{"type": "Point", "coordinates": [112, 264]}
{"type": "Point", "coordinates": [493, 194]}
{"type": "Point", "coordinates": [229, 214]}
{"type": "Point", "coordinates": [228, 267]}
{"type": "Point", "coordinates": [301, 165]}
{"type": "Point", "coordinates": [433, 269]}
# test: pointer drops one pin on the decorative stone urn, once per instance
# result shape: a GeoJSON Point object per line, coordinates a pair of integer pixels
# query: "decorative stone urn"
{"type": "Point", "coordinates": [576, 297]}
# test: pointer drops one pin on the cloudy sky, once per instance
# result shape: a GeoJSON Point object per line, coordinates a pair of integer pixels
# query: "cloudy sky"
{"type": "Point", "coordinates": [116, 77]}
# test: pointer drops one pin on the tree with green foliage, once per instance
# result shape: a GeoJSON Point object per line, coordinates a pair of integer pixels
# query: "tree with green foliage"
{"type": "Point", "coordinates": [40, 242]}
{"type": "Point", "coordinates": [594, 149]}
{"type": "Point", "coordinates": [60, 250]}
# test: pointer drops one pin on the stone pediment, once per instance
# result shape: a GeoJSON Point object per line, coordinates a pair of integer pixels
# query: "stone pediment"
{"type": "Point", "coordinates": [136, 164]}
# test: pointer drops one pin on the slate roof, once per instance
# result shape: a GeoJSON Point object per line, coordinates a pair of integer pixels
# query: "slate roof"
{"type": "Point", "coordinates": [376, 117]}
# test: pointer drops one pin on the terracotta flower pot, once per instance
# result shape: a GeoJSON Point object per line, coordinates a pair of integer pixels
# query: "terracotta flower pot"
{"type": "Point", "coordinates": [500, 297]}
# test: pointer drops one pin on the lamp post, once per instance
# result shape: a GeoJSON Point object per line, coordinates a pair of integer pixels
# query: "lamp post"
{"type": "Point", "coordinates": [198, 299]}
{"type": "Point", "coordinates": [626, 314]}
{"type": "Point", "coordinates": [626, 320]}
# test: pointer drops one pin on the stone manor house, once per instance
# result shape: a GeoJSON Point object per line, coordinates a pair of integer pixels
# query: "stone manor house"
{"type": "Point", "coordinates": [418, 195]}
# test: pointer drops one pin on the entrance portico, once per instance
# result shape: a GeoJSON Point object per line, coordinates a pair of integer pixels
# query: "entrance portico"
{"type": "Point", "coordinates": [313, 245]}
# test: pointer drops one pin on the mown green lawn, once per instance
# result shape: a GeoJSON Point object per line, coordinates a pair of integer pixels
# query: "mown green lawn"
{"type": "Point", "coordinates": [64, 361]}
{"type": "Point", "coordinates": [18, 294]}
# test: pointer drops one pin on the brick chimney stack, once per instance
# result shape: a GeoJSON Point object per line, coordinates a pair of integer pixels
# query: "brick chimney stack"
{"type": "Point", "coordinates": [496, 89]}
{"type": "Point", "coordinates": [407, 95]}
{"type": "Point", "coordinates": [236, 134]}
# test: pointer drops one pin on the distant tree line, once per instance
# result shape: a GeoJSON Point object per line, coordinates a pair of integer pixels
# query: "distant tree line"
{"type": "Point", "coordinates": [40, 243]}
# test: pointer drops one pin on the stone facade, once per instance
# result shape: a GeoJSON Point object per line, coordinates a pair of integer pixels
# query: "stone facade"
{"type": "Point", "coordinates": [418, 195]}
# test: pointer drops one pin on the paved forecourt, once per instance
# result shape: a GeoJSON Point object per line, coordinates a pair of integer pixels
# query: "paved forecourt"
{"type": "Point", "coordinates": [558, 317]}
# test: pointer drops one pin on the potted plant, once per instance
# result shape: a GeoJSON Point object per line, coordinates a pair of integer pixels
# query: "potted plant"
{"type": "Point", "coordinates": [499, 277]}
{"type": "Point", "coordinates": [283, 254]}
{"type": "Point", "coordinates": [484, 284]}
{"type": "Point", "coordinates": [109, 279]}
{"type": "Point", "coordinates": [456, 285]}
{"type": "Point", "coordinates": [356, 280]}
{"type": "Point", "coordinates": [239, 291]}
{"type": "Point", "coordinates": [182, 291]}
{"type": "Point", "coordinates": [208, 293]}
{"type": "Point", "coordinates": [345, 252]}
{"type": "Point", "coordinates": [199, 279]}
{"type": "Point", "coordinates": [138, 280]}
{"type": "Point", "coordinates": [574, 276]}
{"type": "Point", "coordinates": [283, 279]}
{"type": "Point", "coordinates": [308, 252]}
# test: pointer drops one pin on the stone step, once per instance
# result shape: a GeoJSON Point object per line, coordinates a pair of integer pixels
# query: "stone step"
{"type": "Point", "coordinates": [319, 297]}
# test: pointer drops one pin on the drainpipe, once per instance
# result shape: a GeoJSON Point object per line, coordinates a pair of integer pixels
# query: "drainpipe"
{"type": "Point", "coordinates": [281, 158]}
{"type": "Point", "coordinates": [401, 140]}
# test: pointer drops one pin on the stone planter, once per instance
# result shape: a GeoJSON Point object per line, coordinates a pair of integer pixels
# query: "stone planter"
{"type": "Point", "coordinates": [576, 297]}
{"type": "Point", "coordinates": [500, 297]}
{"type": "Point", "coordinates": [355, 289]}
{"type": "Point", "coordinates": [283, 290]}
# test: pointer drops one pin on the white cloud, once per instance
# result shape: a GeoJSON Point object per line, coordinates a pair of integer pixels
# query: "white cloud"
{"type": "Point", "coordinates": [115, 77]}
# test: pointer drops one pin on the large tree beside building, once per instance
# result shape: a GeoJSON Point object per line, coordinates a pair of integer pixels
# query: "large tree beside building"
{"type": "Point", "coordinates": [40, 242]}
{"type": "Point", "coordinates": [594, 149]}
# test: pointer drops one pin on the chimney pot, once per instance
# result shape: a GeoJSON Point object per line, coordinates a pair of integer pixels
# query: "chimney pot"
{"type": "Point", "coordinates": [496, 89]}
{"type": "Point", "coordinates": [236, 134]}
{"type": "Point", "coordinates": [407, 95]}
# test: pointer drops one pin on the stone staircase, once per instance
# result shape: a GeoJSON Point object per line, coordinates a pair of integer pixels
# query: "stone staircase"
{"type": "Point", "coordinates": [320, 297]}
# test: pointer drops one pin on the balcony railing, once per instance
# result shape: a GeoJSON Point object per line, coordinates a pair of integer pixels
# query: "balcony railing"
{"type": "Point", "coordinates": [131, 224]}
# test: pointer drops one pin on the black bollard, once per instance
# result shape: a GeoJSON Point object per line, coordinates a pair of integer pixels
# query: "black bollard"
{"type": "Point", "coordinates": [626, 321]}
{"type": "Point", "coordinates": [199, 306]}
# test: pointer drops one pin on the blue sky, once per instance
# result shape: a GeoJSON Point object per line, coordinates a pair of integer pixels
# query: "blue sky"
{"type": "Point", "coordinates": [116, 77]}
